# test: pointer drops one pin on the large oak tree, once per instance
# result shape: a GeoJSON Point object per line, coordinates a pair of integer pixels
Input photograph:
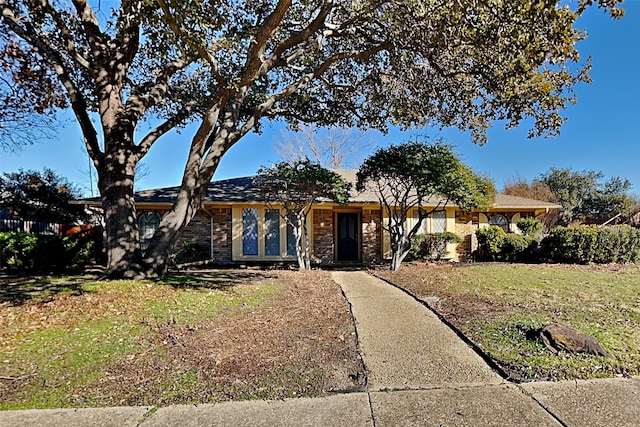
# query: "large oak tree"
{"type": "Point", "coordinates": [228, 65]}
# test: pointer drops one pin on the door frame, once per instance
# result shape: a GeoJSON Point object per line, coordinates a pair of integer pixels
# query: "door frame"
{"type": "Point", "coordinates": [336, 233]}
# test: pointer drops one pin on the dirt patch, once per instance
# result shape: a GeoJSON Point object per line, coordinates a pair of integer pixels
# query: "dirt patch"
{"type": "Point", "coordinates": [455, 307]}
{"type": "Point", "coordinates": [299, 342]}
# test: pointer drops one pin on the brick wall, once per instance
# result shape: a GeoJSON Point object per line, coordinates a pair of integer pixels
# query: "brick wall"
{"type": "Point", "coordinates": [198, 231]}
{"type": "Point", "coordinates": [323, 235]}
{"type": "Point", "coordinates": [371, 236]}
{"type": "Point", "coordinates": [222, 234]}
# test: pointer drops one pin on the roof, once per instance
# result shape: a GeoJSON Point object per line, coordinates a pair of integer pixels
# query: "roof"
{"type": "Point", "coordinates": [502, 201]}
{"type": "Point", "coordinates": [241, 190]}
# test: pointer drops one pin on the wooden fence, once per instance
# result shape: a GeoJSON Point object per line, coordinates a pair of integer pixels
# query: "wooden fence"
{"type": "Point", "coordinates": [33, 227]}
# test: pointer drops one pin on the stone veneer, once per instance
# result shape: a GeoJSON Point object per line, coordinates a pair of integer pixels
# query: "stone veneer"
{"type": "Point", "coordinates": [371, 236]}
{"type": "Point", "coordinates": [322, 236]}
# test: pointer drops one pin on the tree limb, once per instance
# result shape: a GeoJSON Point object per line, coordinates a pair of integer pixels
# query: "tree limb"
{"type": "Point", "coordinates": [255, 55]}
{"type": "Point", "coordinates": [95, 37]}
{"type": "Point", "coordinates": [148, 141]}
{"type": "Point", "coordinates": [297, 39]}
{"type": "Point", "coordinates": [78, 102]}
{"type": "Point", "coordinates": [202, 51]}
{"type": "Point", "coordinates": [155, 92]}
{"type": "Point", "coordinates": [68, 38]}
{"type": "Point", "coordinates": [128, 36]}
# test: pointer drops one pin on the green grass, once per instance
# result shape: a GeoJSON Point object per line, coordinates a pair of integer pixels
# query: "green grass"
{"type": "Point", "coordinates": [63, 341]}
{"type": "Point", "coordinates": [600, 301]}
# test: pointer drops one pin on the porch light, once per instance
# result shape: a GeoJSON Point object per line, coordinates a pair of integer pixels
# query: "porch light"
{"type": "Point", "coordinates": [372, 225]}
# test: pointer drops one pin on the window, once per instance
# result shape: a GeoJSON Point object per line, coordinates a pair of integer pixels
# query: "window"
{"type": "Point", "coordinates": [148, 222]}
{"type": "Point", "coordinates": [271, 232]}
{"type": "Point", "coordinates": [250, 231]}
{"type": "Point", "coordinates": [439, 222]}
{"type": "Point", "coordinates": [416, 218]}
{"type": "Point", "coordinates": [499, 220]}
{"type": "Point", "coordinates": [291, 239]}
{"type": "Point", "coordinates": [437, 219]}
{"type": "Point", "coordinates": [260, 232]}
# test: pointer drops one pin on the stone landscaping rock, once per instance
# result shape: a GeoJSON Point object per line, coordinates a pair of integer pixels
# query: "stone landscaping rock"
{"type": "Point", "coordinates": [565, 338]}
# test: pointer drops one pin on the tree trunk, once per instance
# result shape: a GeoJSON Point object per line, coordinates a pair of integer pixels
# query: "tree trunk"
{"type": "Point", "coordinates": [193, 189]}
{"type": "Point", "coordinates": [302, 253]}
{"type": "Point", "coordinates": [157, 256]}
{"type": "Point", "coordinates": [124, 258]}
{"type": "Point", "coordinates": [307, 245]}
{"type": "Point", "coordinates": [399, 249]}
{"type": "Point", "coordinates": [182, 212]}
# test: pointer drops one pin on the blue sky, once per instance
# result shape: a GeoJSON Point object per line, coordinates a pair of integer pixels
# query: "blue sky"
{"type": "Point", "coordinates": [602, 132]}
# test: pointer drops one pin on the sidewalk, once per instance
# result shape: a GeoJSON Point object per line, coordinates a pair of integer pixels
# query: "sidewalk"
{"type": "Point", "coordinates": [420, 373]}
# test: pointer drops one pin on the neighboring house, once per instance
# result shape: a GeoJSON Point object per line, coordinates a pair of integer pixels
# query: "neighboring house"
{"type": "Point", "coordinates": [235, 225]}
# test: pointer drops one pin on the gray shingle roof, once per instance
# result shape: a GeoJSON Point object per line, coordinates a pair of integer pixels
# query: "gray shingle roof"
{"type": "Point", "coordinates": [241, 190]}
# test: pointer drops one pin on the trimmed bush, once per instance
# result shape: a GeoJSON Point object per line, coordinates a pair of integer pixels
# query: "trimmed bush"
{"type": "Point", "coordinates": [187, 252]}
{"type": "Point", "coordinates": [490, 241]}
{"type": "Point", "coordinates": [516, 247]}
{"type": "Point", "coordinates": [433, 246]}
{"type": "Point", "coordinates": [590, 244]}
{"type": "Point", "coordinates": [496, 245]}
{"type": "Point", "coordinates": [529, 226]}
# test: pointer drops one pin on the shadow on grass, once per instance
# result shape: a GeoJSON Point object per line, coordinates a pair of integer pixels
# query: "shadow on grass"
{"type": "Point", "coordinates": [19, 290]}
{"type": "Point", "coordinates": [214, 279]}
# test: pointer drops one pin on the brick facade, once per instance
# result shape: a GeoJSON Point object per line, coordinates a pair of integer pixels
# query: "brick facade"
{"type": "Point", "coordinates": [322, 235]}
{"type": "Point", "coordinates": [202, 232]}
{"type": "Point", "coordinates": [198, 231]}
{"type": "Point", "coordinates": [222, 234]}
{"type": "Point", "coordinates": [371, 236]}
{"type": "Point", "coordinates": [466, 226]}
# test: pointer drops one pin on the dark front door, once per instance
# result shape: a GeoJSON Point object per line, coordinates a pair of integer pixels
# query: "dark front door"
{"type": "Point", "coordinates": [347, 235]}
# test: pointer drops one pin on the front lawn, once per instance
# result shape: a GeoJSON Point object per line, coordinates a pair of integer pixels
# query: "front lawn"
{"type": "Point", "coordinates": [204, 337]}
{"type": "Point", "coordinates": [498, 306]}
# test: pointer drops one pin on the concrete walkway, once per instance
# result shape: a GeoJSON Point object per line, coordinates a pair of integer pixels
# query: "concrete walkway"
{"type": "Point", "coordinates": [405, 345]}
{"type": "Point", "coordinates": [420, 373]}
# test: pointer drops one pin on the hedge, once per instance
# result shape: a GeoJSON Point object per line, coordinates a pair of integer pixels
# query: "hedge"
{"type": "Point", "coordinates": [496, 245]}
{"type": "Point", "coordinates": [577, 245]}
{"type": "Point", "coordinates": [590, 244]}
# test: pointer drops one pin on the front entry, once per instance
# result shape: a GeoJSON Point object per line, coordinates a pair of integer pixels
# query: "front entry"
{"type": "Point", "coordinates": [347, 236]}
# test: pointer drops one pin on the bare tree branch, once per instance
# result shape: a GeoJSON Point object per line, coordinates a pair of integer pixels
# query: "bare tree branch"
{"type": "Point", "coordinates": [333, 148]}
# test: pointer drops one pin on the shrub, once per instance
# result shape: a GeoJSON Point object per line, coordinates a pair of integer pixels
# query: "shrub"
{"type": "Point", "coordinates": [529, 226]}
{"type": "Point", "coordinates": [490, 241]}
{"type": "Point", "coordinates": [32, 251]}
{"type": "Point", "coordinates": [44, 252]}
{"type": "Point", "coordinates": [585, 244]}
{"type": "Point", "coordinates": [433, 245]}
{"type": "Point", "coordinates": [187, 252]}
{"type": "Point", "coordinates": [81, 250]}
{"type": "Point", "coordinates": [516, 247]}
